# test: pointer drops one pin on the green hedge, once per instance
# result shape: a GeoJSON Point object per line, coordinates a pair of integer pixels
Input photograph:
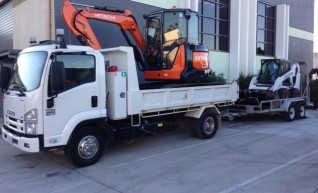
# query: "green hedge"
{"type": "Point", "coordinates": [244, 80]}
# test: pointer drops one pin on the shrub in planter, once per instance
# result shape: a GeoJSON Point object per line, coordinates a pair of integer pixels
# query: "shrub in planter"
{"type": "Point", "coordinates": [244, 81]}
{"type": "Point", "coordinates": [216, 78]}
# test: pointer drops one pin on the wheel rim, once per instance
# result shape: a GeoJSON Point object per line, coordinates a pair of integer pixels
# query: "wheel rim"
{"type": "Point", "coordinates": [302, 111]}
{"type": "Point", "coordinates": [87, 147]}
{"type": "Point", "coordinates": [292, 113]}
{"type": "Point", "coordinates": [209, 125]}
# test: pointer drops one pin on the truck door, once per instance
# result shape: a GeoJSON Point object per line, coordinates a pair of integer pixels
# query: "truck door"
{"type": "Point", "coordinates": [77, 101]}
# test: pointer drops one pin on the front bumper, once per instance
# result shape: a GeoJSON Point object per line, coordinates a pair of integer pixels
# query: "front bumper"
{"type": "Point", "coordinates": [21, 142]}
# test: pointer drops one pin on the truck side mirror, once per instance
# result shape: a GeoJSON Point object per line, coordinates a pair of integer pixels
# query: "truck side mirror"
{"type": "Point", "coordinates": [5, 77]}
{"type": "Point", "coordinates": [57, 77]}
{"type": "Point", "coordinates": [57, 81]}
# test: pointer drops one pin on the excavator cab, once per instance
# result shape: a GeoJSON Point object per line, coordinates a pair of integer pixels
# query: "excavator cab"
{"type": "Point", "coordinates": [172, 50]}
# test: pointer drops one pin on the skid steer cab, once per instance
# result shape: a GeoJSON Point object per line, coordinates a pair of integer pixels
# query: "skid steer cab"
{"type": "Point", "coordinates": [276, 79]}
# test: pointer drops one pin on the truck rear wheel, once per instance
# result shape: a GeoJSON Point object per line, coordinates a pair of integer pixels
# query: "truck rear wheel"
{"type": "Point", "coordinates": [290, 114]}
{"type": "Point", "coordinates": [206, 126]}
{"type": "Point", "coordinates": [86, 146]}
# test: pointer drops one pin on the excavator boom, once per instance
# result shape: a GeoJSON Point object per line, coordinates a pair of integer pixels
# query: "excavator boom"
{"type": "Point", "coordinates": [77, 22]}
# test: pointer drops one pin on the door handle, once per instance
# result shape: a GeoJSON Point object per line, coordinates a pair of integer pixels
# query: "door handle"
{"type": "Point", "coordinates": [94, 101]}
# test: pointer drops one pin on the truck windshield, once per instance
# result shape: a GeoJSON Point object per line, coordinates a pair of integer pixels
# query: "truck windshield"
{"type": "Point", "coordinates": [28, 71]}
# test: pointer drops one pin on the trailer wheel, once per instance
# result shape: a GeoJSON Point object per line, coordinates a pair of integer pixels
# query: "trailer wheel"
{"type": "Point", "coordinates": [290, 114]}
{"type": "Point", "coordinates": [283, 93]}
{"type": "Point", "coordinates": [300, 110]}
{"type": "Point", "coordinates": [206, 126]}
{"type": "Point", "coordinates": [86, 146]}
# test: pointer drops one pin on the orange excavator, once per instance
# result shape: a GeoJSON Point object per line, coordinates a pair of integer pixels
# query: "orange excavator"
{"type": "Point", "coordinates": [170, 50]}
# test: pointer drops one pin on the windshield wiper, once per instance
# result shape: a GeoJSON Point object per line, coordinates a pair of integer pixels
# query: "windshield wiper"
{"type": "Point", "coordinates": [19, 88]}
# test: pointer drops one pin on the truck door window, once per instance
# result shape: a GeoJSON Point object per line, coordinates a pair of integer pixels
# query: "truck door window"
{"type": "Point", "coordinates": [79, 69]}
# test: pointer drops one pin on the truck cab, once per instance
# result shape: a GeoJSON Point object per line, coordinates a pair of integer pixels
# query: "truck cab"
{"type": "Point", "coordinates": [51, 88]}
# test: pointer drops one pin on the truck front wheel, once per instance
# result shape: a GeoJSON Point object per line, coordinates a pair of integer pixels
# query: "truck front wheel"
{"type": "Point", "coordinates": [206, 126]}
{"type": "Point", "coordinates": [86, 146]}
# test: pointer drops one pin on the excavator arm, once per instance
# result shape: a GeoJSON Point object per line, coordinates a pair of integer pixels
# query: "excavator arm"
{"type": "Point", "coordinates": [77, 22]}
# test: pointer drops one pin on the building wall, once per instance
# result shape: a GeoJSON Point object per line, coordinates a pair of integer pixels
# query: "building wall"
{"type": "Point", "coordinates": [301, 29]}
{"type": "Point", "coordinates": [35, 23]}
{"type": "Point", "coordinates": [6, 23]}
{"type": "Point", "coordinates": [301, 13]}
{"type": "Point", "coordinates": [294, 34]}
{"type": "Point", "coordinates": [162, 4]}
{"type": "Point", "coordinates": [315, 63]}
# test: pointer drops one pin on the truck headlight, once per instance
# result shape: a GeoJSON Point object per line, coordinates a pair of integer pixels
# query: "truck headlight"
{"type": "Point", "coordinates": [31, 120]}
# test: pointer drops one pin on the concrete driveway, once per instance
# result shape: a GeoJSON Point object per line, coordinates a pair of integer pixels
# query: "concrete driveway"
{"type": "Point", "coordinates": [259, 154]}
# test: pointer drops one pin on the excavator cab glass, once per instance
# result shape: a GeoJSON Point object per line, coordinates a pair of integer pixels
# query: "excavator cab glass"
{"type": "Point", "coordinates": [166, 31]}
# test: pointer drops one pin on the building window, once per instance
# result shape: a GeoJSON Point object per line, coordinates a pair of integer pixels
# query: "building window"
{"type": "Point", "coordinates": [266, 30]}
{"type": "Point", "coordinates": [214, 24]}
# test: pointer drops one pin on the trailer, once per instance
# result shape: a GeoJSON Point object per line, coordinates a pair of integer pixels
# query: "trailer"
{"type": "Point", "coordinates": [290, 108]}
{"type": "Point", "coordinates": [78, 99]}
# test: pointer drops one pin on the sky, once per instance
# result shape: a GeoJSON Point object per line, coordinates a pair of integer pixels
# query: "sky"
{"type": "Point", "coordinates": [316, 28]}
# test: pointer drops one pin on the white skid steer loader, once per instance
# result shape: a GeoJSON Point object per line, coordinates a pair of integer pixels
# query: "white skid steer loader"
{"type": "Point", "coordinates": [277, 79]}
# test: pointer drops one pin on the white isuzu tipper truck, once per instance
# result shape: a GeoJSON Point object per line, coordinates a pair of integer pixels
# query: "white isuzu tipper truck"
{"type": "Point", "coordinates": [76, 99]}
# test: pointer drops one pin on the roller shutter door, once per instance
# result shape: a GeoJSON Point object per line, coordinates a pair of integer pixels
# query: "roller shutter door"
{"type": "Point", "coordinates": [6, 26]}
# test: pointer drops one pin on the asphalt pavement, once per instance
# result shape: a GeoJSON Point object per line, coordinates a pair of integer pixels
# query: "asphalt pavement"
{"type": "Point", "coordinates": [248, 155]}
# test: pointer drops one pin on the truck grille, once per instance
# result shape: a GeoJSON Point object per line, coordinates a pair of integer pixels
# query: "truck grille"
{"type": "Point", "coordinates": [14, 124]}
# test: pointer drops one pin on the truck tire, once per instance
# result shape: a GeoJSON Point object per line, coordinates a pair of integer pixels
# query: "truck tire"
{"type": "Point", "coordinates": [300, 110]}
{"type": "Point", "coordinates": [283, 93]}
{"type": "Point", "coordinates": [86, 146]}
{"type": "Point", "coordinates": [294, 92]}
{"type": "Point", "coordinates": [206, 126]}
{"type": "Point", "coordinates": [290, 114]}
